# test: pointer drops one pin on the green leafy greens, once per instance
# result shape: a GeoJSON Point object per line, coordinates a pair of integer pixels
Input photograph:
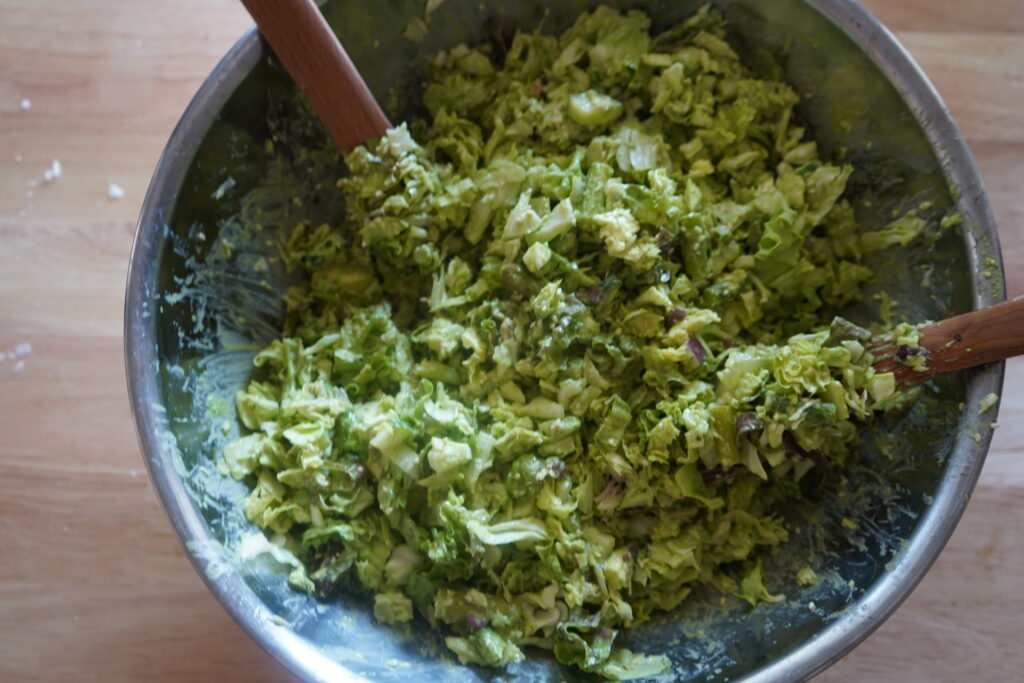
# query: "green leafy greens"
{"type": "Point", "coordinates": [551, 371]}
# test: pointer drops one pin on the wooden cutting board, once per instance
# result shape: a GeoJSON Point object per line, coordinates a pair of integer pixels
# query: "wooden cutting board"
{"type": "Point", "coordinates": [93, 584]}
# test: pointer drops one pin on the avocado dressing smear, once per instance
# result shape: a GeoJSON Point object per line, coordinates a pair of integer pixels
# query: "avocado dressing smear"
{"type": "Point", "coordinates": [571, 347]}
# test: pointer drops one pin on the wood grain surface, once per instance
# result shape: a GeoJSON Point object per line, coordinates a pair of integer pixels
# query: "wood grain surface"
{"type": "Point", "coordinates": [93, 584]}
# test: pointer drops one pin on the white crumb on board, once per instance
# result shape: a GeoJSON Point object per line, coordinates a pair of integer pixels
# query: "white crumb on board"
{"type": "Point", "coordinates": [115, 191]}
{"type": "Point", "coordinates": [16, 353]}
{"type": "Point", "coordinates": [55, 171]}
{"type": "Point", "coordinates": [26, 104]}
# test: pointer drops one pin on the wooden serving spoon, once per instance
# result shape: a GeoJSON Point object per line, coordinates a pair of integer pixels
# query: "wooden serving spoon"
{"type": "Point", "coordinates": [315, 59]}
{"type": "Point", "coordinates": [965, 341]}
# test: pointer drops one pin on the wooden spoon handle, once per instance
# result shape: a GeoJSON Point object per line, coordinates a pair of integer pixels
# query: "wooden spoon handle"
{"type": "Point", "coordinates": [975, 338]}
{"type": "Point", "coordinates": [314, 57]}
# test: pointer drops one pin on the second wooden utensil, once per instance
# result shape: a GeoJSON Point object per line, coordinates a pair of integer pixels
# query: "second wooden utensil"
{"type": "Point", "coordinates": [965, 341]}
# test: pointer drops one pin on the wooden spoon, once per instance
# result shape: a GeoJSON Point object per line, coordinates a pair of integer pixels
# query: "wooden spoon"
{"type": "Point", "coordinates": [315, 59]}
{"type": "Point", "coordinates": [965, 341]}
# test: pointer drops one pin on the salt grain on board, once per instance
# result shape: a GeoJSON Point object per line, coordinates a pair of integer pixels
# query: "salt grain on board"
{"type": "Point", "coordinates": [19, 350]}
{"type": "Point", "coordinates": [55, 171]}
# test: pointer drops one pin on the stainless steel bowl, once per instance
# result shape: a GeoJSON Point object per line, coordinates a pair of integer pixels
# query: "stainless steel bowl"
{"type": "Point", "coordinates": [192, 319]}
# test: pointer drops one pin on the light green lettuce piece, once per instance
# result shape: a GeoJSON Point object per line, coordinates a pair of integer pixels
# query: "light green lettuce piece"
{"type": "Point", "coordinates": [620, 231]}
{"type": "Point", "coordinates": [392, 608]}
{"type": "Point", "coordinates": [752, 587]}
{"type": "Point", "coordinates": [485, 647]}
{"type": "Point", "coordinates": [901, 231]}
{"type": "Point", "coordinates": [624, 665]}
{"type": "Point", "coordinates": [537, 256]}
{"type": "Point", "coordinates": [243, 456]}
{"type": "Point", "coordinates": [594, 109]}
{"type": "Point", "coordinates": [513, 531]}
{"type": "Point", "coordinates": [446, 455]}
{"type": "Point", "coordinates": [253, 546]}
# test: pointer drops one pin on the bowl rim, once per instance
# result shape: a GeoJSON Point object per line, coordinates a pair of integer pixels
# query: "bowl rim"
{"type": "Point", "coordinates": [805, 660]}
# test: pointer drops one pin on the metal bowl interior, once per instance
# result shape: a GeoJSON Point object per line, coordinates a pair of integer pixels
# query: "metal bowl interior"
{"type": "Point", "coordinates": [193, 320]}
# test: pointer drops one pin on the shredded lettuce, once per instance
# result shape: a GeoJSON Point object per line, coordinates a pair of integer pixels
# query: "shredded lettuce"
{"type": "Point", "coordinates": [570, 348]}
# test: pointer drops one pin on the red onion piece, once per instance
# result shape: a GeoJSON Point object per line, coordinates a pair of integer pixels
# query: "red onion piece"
{"type": "Point", "coordinates": [474, 622]}
{"type": "Point", "coordinates": [697, 349]}
{"type": "Point", "coordinates": [676, 314]}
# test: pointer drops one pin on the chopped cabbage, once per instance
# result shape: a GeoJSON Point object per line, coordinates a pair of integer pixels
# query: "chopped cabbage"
{"type": "Point", "coordinates": [570, 347]}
